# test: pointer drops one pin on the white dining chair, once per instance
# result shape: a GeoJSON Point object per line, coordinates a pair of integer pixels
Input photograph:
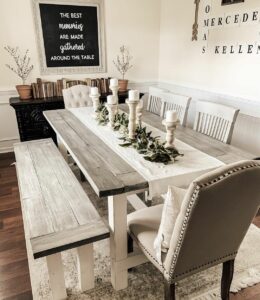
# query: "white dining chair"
{"type": "Point", "coordinates": [77, 96]}
{"type": "Point", "coordinates": [155, 100]}
{"type": "Point", "coordinates": [179, 103]}
{"type": "Point", "coordinates": [215, 120]}
{"type": "Point", "coordinates": [215, 214]}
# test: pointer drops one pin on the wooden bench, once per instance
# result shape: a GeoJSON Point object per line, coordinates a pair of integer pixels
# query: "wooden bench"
{"type": "Point", "coordinates": [57, 213]}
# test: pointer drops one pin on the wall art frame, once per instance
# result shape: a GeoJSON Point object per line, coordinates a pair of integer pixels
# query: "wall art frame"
{"type": "Point", "coordinates": [228, 2]}
{"type": "Point", "coordinates": [99, 66]}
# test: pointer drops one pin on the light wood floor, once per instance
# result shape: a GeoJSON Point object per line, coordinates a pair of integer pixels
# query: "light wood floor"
{"type": "Point", "coordinates": [14, 272]}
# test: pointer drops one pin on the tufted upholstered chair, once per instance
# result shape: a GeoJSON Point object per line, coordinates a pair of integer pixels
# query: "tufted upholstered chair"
{"type": "Point", "coordinates": [77, 96]}
{"type": "Point", "coordinates": [215, 215]}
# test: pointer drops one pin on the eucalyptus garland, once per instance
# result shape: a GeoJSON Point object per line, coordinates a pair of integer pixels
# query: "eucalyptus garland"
{"type": "Point", "coordinates": [121, 123]}
{"type": "Point", "coordinates": [102, 115]}
{"type": "Point", "coordinates": [151, 147]}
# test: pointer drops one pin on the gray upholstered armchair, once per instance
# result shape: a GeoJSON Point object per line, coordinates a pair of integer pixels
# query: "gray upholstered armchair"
{"type": "Point", "coordinates": [215, 215]}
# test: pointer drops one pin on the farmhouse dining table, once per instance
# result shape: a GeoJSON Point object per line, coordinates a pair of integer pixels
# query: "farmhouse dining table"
{"type": "Point", "coordinates": [119, 174]}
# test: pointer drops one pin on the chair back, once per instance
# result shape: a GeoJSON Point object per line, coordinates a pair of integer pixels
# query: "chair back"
{"type": "Point", "coordinates": [155, 100]}
{"type": "Point", "coordinates": [214, 218]}
{"type": "Point", "coordinates": [180, 103]}
{"type": "Point", "coordinates": [77, 96]}
{"type": "Point", "coordinates": [215, 120]}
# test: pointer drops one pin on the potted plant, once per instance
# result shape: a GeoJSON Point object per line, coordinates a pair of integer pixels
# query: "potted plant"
{"type": "Point", "coordinates": [123, 64]}
{"type": "Point", "coordinates": [22, 69]}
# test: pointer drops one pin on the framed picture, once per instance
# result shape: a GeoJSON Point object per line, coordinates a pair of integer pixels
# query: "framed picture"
{"type": "Point", "coordinates": [70, 36]}
{"type": "Point", "coordinates": [226, 2]}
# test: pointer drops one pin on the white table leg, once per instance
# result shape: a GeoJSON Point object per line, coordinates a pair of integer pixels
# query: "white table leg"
{"type": "Point", "coordinates": [62, 149]}
{"type": "Point", "coordinates": [85, 259]}
{"type": "Point", "coordinates": [56, 276]}
{"type": "Point", "coordinates": [117, 210]}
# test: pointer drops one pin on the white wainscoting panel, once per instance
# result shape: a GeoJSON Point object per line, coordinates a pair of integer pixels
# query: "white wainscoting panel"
{"type": "Point", "coordinates": [8, 126]}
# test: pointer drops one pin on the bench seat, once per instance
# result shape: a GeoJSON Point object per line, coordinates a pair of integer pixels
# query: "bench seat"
{"type": "Point", "coordinates": [57, 213]}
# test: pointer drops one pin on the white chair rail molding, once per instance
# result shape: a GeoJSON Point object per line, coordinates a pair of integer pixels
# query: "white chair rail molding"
{"type": "Point", "coordinates": [129, 149]}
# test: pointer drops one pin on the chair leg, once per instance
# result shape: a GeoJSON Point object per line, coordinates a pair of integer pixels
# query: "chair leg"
{"type": "Point", "coordinates": [130, 248]}
{"type": "Point", "coordinates": [169, 291]}
{"type": "Point", "coordinates": [130, 244]}
{"type": "Point", "coordinates": [227, 276]}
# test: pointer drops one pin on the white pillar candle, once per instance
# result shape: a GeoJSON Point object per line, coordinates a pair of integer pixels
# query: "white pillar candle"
{"type": "Point", "coordinates": [171, 116]}
{"type": "Point", "coordinates": [133, 95]}
{"type": "Point", "coordinates": [111, 99]}
{"type": "Point", "coordinates": [113, 82]}
{"type": "Point", "coordinates": [94, 91]}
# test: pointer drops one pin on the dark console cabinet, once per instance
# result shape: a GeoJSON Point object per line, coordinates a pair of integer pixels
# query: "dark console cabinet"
{"type": "Point", "coordinates": [29, 114]}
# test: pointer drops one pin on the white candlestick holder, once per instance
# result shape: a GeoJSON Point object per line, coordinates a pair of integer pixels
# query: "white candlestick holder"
{"type": "Point", "coordinates": [132, 117]}
{"type": "Point", "coordinates": [139, 114]}
{"type": "Point", "coordinates": [115, 90]}
{"type": "Point", "coordinates": [170, 132]}
{"type": "Point", "coordinates": [112, 109]}
{"type": "Point", "coordinates": [96, 102]}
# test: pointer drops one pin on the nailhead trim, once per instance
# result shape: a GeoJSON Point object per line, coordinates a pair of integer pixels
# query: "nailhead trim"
{"type": "Point", "coordinates": [213, 262]}
{"type": "Point", "coordinates": [193, 199]}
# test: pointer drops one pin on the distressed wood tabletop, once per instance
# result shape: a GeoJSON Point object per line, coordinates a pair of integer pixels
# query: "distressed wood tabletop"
{"type": "Point", "coordinates": [106, 171]}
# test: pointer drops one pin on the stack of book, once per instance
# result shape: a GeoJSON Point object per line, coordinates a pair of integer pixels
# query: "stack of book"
{"type": "Point", "coordinates": [44, 89]}
{"type": "Point", "coordinates": [47, 89]}
{"type": "Point", "coordinates": [101, 83]}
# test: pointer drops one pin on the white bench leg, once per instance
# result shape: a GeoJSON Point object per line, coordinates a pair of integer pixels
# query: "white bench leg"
{"type": "Point", "coordinates": [86, 267]}
{"type": "Point", "coordinates": [56, 276]}
{"type": "Point", "coordinates": [117, 209]}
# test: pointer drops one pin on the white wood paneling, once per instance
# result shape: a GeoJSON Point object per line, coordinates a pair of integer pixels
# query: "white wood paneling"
{"type": "Point", "coordinates": [8, 125]}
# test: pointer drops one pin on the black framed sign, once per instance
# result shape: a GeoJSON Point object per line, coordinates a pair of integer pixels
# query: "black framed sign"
{"type": "Point", "coordinates": [226, 2]}
{"type": "Point", "coordinates": [70, 36]}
